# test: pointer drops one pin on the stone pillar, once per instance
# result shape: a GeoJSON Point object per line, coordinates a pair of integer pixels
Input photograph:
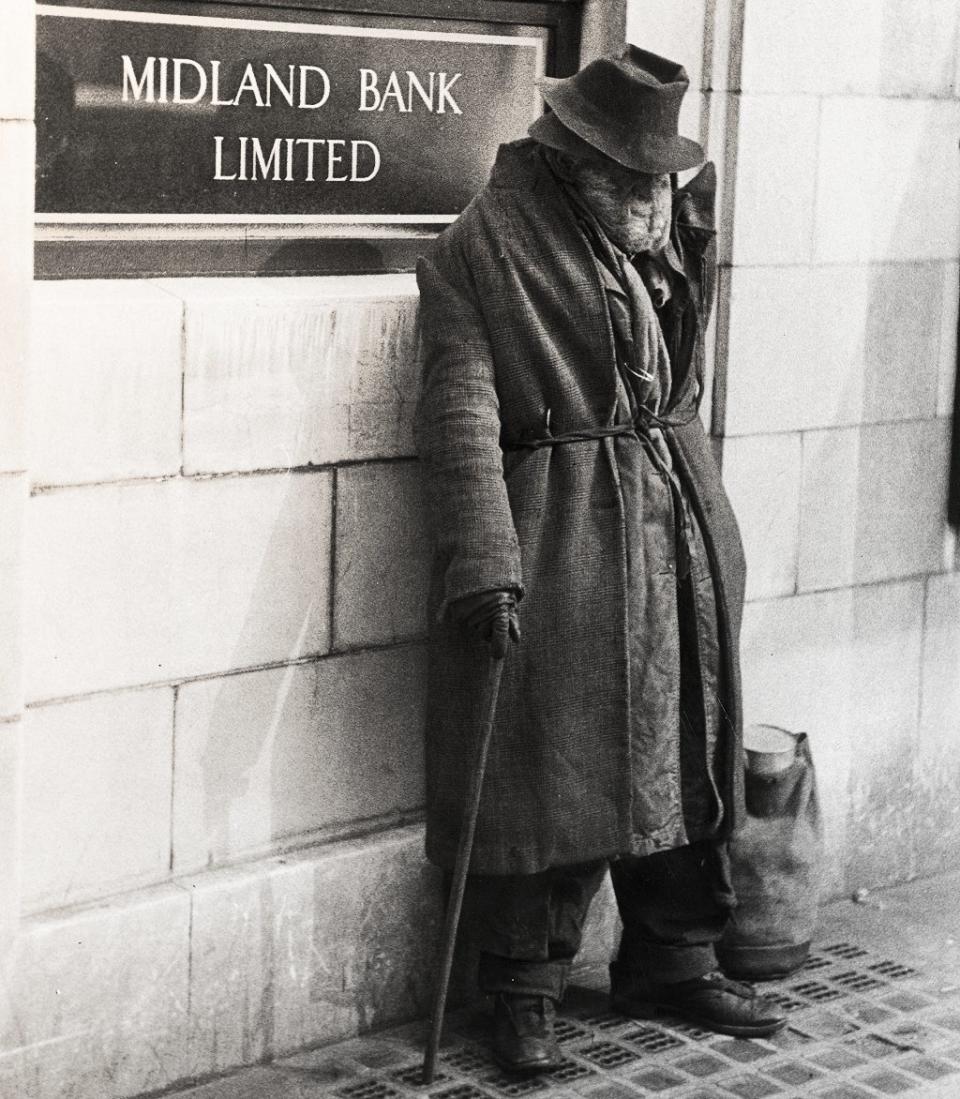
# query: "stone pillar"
{"type": "Point", "coordinates": [603, 28]}
{"type": "Point", "coordinates": [16, 273]}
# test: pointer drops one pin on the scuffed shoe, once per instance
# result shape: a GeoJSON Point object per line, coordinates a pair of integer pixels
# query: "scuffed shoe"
{"type": "Point", "coordinates": [712, 1001]}
{"type": "Point", "coordinates": [523, 1036]}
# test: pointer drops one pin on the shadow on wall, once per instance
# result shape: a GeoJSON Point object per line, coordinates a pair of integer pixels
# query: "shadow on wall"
{"type": "Point", "coordinates": [322, 736]}
{"type": "Point", "coordinates": [844, 661]}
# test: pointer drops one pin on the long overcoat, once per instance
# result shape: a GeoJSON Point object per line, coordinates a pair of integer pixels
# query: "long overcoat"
{"type": "Point", "coordinates": [518, 344]}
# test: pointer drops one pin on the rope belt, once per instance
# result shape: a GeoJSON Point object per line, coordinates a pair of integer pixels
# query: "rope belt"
{"type": "Point", "coordinates": [583, 436]}
{"type": "Point", "coordinates": [640, 431]}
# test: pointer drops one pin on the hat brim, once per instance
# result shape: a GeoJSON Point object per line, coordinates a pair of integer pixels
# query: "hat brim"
{"type": "Point", "coordinates": [577, 128]}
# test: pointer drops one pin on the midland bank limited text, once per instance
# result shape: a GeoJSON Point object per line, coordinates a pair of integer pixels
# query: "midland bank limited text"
{"type": "Point", "coordinates": [193, 84]}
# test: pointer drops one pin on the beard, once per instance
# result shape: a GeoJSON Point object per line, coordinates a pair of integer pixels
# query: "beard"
{"type": "Point", "coordinates": [633, 208]}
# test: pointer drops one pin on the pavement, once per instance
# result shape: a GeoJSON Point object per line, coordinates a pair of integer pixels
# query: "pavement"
{"type": "Point", "coordinates": [876, 1012]}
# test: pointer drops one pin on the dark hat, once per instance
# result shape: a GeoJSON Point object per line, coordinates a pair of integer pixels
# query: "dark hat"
{"type": "Point", "coordinates": [626, 107]}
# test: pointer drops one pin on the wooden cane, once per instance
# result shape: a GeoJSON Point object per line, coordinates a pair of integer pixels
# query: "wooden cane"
{"type": "Point", "coordinates": [471, 811]}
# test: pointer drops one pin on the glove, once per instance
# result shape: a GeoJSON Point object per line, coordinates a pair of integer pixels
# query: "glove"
{"type": "Point", "coordinates": [490, 615]}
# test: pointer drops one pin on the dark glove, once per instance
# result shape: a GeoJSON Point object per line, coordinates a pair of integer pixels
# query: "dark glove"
{"type": "Point", "coordinates": [491, 615]}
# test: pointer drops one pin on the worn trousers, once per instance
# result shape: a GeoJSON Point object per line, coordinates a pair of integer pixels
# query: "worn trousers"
{"type": "Point", "coordinates": [674, 906]}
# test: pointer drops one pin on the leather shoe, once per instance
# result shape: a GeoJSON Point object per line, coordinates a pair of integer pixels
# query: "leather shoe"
{"type": "Point", "coordinates": [712, 1001]}
{"type": "Point", "coordinates": [523, 1035]}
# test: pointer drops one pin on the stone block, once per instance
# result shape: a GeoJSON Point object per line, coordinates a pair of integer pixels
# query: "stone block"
{"type": "Point", "coordinates": [843, 345]}
{"type": "Point", "coordinates": [283, 753]}
{"type": "Point", "coordinates": [795, 348]}
{"type": "Point", "coordinates": [17, 62]}
{"type": "Point", "coordinates": [674, 29]}
{"type": "Point", "coordinates": [905, 306]}
{"type": "Point", "coordinates": [949, 360]}
{"type": "Point", "coordinates": [144, 583]}
{"type": "Point", "coordinates": [298, 372]}
{"type": "Point", "coordinates": [11, 751]}
{"type": "Point", "coordinates": [776, 164]}
{"type": "Point", "coordinates": [905, 204]}
{"type": "Point", "coordinates": [762, 476]}
{"type": "Point", "coordinates": [867, 47]}
{"type": "Point", "coordinates": [382, 568]}
{"type": "Point", "coordinates": [888, 628]}
{"type": "Point", "coordinates": [843, 667]}
{"type": "Point", "coordinates": [937, 764]}
{"type": "Point", "coordinates": [16, 276]}
{"type": "Point", "coordinates": [94, 1002]}
{"type": "Point", "coordinates": [348, 935]}
{"type": "Point", "coordinates": [361, 945]}
{"type": "Point", "coordinates": [13, 503]}
{"type": "Point", "coordinates": [105, 382]}
{"type": "Point", "coordinates": [872, 503]}
{"type": "Point", "coordinates": [97, 776]}
{"type": "Point", "coordinates": [231, 968]}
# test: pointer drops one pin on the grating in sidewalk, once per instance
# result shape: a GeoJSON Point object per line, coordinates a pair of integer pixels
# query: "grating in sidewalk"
{"type": "Point", "coordinates": [859, 1026]}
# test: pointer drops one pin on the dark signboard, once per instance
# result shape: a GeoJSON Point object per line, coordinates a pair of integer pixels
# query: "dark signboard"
{"type": "Point", "coordinates": [230, 120]}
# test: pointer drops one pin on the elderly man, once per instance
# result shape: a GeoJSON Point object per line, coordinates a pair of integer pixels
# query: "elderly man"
{"type": "Point", "coordinates": [574, 497]}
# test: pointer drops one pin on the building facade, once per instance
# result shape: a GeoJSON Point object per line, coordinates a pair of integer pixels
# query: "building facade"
{"type": "Point", "coordinates": [213, 561]}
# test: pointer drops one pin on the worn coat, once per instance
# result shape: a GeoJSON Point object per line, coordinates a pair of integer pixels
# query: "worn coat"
{"type": "Point", "coordinates": [515, 323]}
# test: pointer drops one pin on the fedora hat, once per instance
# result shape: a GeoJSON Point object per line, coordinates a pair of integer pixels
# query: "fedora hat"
{"type": "Point", "coordinates": [625, 107]}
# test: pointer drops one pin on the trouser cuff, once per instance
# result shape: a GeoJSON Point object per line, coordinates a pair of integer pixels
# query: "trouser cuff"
{"type": "Point", "coordinates": [514, 975]}
{"type": "Point", "coordinates": [660, 963]}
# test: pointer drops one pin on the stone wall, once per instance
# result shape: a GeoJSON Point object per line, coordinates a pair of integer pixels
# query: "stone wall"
{"type": "Point", "coordinates": [226, 588]}
{"type": "Point", "coordinates": [222, 627]}
{"type": "Point", "coordinates": [838, 353]}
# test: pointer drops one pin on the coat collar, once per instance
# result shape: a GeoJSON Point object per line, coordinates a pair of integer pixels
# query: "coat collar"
{"type": "Point", "coordinates": [518, 166]}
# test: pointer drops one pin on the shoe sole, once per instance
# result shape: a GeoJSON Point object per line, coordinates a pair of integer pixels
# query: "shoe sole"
{"type": "Point", "coordinates": [658, 1011]}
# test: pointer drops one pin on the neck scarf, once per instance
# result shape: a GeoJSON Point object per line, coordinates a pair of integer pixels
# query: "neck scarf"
{"type": "Point", "coordinates": [641, 349]}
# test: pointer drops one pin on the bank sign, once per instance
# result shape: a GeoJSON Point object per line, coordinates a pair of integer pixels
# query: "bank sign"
{"type": "Point", "coordinates": [154, 117]}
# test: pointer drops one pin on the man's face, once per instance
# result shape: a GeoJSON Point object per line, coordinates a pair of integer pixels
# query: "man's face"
{"type": "Point", "coordinates": [633, 207]}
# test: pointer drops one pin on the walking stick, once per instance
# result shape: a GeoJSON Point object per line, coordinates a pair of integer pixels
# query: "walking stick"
{"type": "Point", "coordinates": [468, 826]}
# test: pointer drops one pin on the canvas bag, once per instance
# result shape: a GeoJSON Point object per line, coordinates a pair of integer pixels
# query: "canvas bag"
{"type": "Point", "coordinates": [776, 859]}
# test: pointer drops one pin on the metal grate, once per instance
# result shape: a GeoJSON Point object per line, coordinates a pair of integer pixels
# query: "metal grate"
{"type": "Point", "coordinates": [752, 1087]}
{"type": "Point", "coordinates": [888, 1083]}
{"type": "Point", "coordinates": [657, 1080]}
{"type": "Point", "coordinates": [742, 1050]}
{"type": "Point", "coordinates": [875, 1045]}
{"type": "Point", "coordinates": [607, 1054]}
{"type": "Point", "coordinates": [794, 1073]}
{"type": "Point", "coordinates": [894, 970]}
{"type": "Point", "coordinates": [465, 1061]}
{"type": "Point", "coordinates": [852, 1034]}
{"type": "Point", "coordinates": [568, 1031]}
{"type": "Point", "coordinates": [689, 1030]}
{"type": "Point", "coordinates": [651, 1039]}
{"type": "Point", "coordinates": [368, 1089]}
{"type": "Point", "coordinates": [845, 950]}
{"type": "Point", "coordinates": [786, 1001]}
{"type": "Point", "coordinates": [513, 1086]}
{"type": "Point", "coordinates": [605, 1020]}
{"type": "Point", "coordinates": [461, 1091]}
{"type": "Point", "coordinates": [568, 1071]}
{"type": "Point", "coordinates": [818, 991]}
{"type": "Point", "coordinates": [815, 962]}
{"type": "Point", "coordinates": [857, 980]}
{"type": "Point", "coordinates": [412, 1077]}
{"type": "Point", "coordinates": [702, 1064]}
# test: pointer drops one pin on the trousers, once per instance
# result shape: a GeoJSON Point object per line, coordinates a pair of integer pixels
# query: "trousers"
{"type": "Point", "coordinates": [674, 906]}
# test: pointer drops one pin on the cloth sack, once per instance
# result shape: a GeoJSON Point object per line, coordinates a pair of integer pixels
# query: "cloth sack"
{"type": "Point", "coordinates": [776, 858]}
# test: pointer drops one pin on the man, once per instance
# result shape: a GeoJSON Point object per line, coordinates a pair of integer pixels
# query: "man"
{"type": "Point", "coordinates": [573, 493]}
